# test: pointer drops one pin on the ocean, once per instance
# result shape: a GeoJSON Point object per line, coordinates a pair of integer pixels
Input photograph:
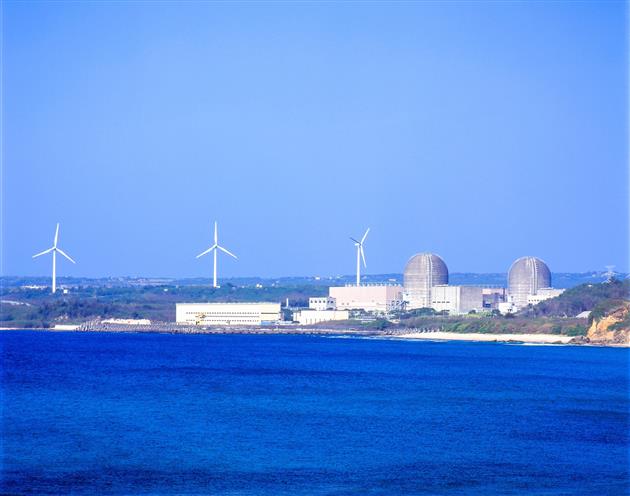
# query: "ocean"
{"type": "Point", "coordinates": [305, 415]}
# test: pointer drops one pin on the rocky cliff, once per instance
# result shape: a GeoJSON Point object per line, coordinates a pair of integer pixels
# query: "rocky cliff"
{"type": "Point", "coordinates": [612, 328]}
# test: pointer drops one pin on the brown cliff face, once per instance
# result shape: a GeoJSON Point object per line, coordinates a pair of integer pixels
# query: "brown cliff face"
{"type": "Point", "coordinates": [605, 330]}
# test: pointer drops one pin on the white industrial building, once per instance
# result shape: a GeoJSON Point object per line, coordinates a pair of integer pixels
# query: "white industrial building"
{"type": "Point", "coordinates": [221, 314]}
{"type": "Point", "coordinates": [310, 317]}
{"type": "Point", "coordinates": [381, 298]}
{"type": "Point", "coordinates": [543, 294]}
{"type": "Point", "coordinates": [322, 303]}
{"type": "Point", "coordinates": [456, 299]}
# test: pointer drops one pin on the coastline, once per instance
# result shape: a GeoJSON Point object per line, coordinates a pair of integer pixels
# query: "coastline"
{"type": "Point", "coordinates": [526, 338]}
{"type": "Point", "coordinates": [480, 337]}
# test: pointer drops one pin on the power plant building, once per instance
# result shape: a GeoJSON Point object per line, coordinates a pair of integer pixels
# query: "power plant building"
{"type": "Point", "coordinates": [226, 314]}
{"type": "Point", "coordinates": [310, 317]}
{"type": "Point", "coordinates": [493, 297]}
{"type": "Point", "coordinates": [422, 272]}
{"type": "Point", "coordinates": [370, 298]}
{"type": "Point", "coordinates": [526, 277]}
{"type": "Point", "coordinates": [457, 299]}
{"type": "Point", "coordinates": [322, 303]}
{"type": "Point", "coordinates": [543, 294]}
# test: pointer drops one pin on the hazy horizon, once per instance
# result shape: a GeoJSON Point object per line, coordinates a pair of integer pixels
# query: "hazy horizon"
{"type": "Point", "coordinates": [348, 276]}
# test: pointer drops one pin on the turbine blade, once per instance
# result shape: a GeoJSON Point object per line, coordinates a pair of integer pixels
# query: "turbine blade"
{"type": "Point", "coordinates": [357, 242]}
{"type": "Point", "coordinates": [207, 251]}
{"type": "Point", "coordinates": [365, 235]}
{"type": "Point", "coordinates": [56, 235]}
{"type": "Point", "coordinates": [44, 252]}
{"type": "Point", "coordinates": [226, 251]}
{"type": "Point", "coordinates": [216, 234]}
{"type": "Point", "coordinates": [363, 256]}
{"type": "Point", "coordinates": [65, 255]}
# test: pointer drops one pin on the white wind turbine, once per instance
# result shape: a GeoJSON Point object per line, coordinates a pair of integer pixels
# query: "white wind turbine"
{"type": "Point", "coordinates": [54, 251]}
{"type": "Point", "coordinates": [360, 255]}
{"type": "Point", "coordinates": [214, 249]}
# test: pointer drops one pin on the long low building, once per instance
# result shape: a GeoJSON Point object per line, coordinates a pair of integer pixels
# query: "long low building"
{"type": "Point", "coordinates": [238, 314]}
{"type": "Point", "coordinates": [543, 294]}
{"type": "Point", "coordinates": [310, 317]}
{"type": "Point", "coordinates": [371, 298]}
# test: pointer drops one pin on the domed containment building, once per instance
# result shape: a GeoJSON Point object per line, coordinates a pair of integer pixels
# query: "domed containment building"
{"type": "Point", "coordinates": [422, 272]}
{"type": "Point", "coordinates": [526, 277]}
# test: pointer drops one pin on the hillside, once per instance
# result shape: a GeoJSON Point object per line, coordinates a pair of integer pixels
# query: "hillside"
{"type": "Point", "coordinates": [613, 327]}
{"type": "Point", "coordinates": [499, 325]}
{"type": "Point", "coordinates": [596, 298]}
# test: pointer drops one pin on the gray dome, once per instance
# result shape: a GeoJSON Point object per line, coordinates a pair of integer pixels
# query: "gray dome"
{"type": "Point", "coordinates": [526, 276]}
{"type": "Point", "coordinates": [422, 272]}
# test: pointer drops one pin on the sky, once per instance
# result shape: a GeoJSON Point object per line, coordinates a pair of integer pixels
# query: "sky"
{"type": "Point", "coordinates": [481, 131]}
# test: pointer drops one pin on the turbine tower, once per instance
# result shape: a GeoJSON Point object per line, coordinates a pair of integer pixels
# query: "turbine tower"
{"type": "Point", "coordinates": [360, 254]}
{"type": "Point", "coordinates": [54, 251]}
{"type": "Point", "coordinates": [214, 249]}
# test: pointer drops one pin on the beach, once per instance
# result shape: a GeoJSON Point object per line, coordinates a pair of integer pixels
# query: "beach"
{"type": "Point", "coordinates": [455, 336]}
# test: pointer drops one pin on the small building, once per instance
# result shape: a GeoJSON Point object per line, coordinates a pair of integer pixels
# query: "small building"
{"type": "Point", "coordinates": [322, 303]}
{"type": "Point", "coordinates": [380, 298]}
{"type": "Point", "coordinates": [492, 297]}
{"type": "Point", "coordinates": [222, 314]}
{"type": "Point", "coordinates": [506, 307]}
{"type": "Point", "coordinates": [543, 294]}
{"type": "Point", "coordinates": [310, 317]}
{"type": "Point", "coordinates": [456, 299]}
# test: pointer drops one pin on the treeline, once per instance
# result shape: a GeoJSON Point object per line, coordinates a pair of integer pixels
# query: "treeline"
{"type": "Point", "coordinates": [38, 308]}
{"type": "Point", "coordinates": [499, 325]}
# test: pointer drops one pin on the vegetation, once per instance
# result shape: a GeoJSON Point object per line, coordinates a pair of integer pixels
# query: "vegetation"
{"type": "Point", "coordinates": [24, 308]}
{"type": "Point", "coordinates": [500, 325]}
{"type": "Point", "coordinates": [27, 308]}
{"type": "Point", "coordinates": [598, 298]}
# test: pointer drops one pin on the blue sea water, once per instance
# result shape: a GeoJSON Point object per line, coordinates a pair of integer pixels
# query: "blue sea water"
{"type": "Point", "coordinates": [245, 414]}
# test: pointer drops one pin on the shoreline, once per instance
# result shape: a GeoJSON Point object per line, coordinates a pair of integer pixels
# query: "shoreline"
{"type": "Point", "coordinates": [488, 338]}
{"type": "Point", "coordinates": [529, 338]}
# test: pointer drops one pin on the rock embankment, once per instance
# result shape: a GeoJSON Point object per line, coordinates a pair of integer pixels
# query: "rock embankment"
{"type": "Point", "coordinates": [612, 328]}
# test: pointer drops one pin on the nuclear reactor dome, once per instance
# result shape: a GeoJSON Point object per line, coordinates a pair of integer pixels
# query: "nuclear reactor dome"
{"type": "Point", "coordinates": [422, 272]}
{"type": "Point", "coordinates": [526, 276]}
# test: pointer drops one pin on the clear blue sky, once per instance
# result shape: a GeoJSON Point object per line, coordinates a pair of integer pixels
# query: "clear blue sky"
{"type": "Point", "coordinates": [479, 131]}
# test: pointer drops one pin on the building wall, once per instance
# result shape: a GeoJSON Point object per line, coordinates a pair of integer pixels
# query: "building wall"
{"type": "Point", "coordinates": [456, 299]}
{"type": "Point", "coordinates": [543, 294]}
{"type": "Point", "coordinates": [227, 313]}
{"type": "Point", "coordinates": [322, 303]}
{"type": "Point", "coordinates": [309, 317]}
{"type": "Point", "coordinates": [492, 297]}
{"type": "Point", "coordinates": [369, 298]}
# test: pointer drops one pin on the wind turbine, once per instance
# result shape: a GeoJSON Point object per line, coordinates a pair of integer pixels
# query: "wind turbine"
{"type": "Point", "coordinates": [54, 251]}
{"type": "Point", "coordinates": [360, 254]}
{"type": "Point", "coordinates": [214, 249]}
